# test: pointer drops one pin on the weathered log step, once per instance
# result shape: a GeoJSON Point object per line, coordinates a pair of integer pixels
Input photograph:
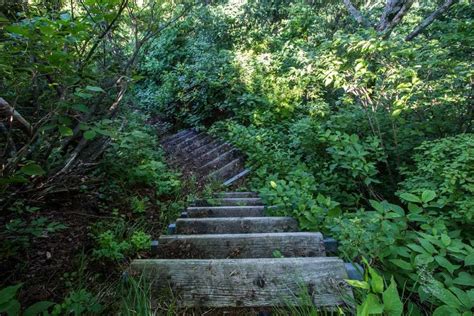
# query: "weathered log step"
{"type": "Point", "coordinates": [228, 170]}
{"type": "Point", "coordinates": [234, 180]}
{"type": "Point", "coordinates": [187, 142]}
{"type": "Point", "coordinates": [225, 211]}
{"type": "Point", "coordinates": [220, 161]}
{"type": "Point", "coordinates": [229, 201]}
{"type": "Point", "coordinates": [222, 246]}
{"type": "Point", "coordinates": [178, 138]}
{"type": "Point", "coordinates": [248, 282]}
{"type": "Point", "coordinates": [195, 153]}
{"type": "Point", "coordinates": [174, 136]}
{"type": "Point", "coordinates": [212, 154]}
{"type": "Point", "coordinates": [206, 139]}
{"type": "Point", "coordinates": [236, 194]}
{"type": "Point", "coordinates": [235, 225]}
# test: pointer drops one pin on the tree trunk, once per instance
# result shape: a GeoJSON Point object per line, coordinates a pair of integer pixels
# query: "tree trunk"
{"type": "Point", "coordinates": [356, 13]}
{"type": "Point", "coordinates": [392, 15]}
{"type": "Point", "coordinates": [428, 20]}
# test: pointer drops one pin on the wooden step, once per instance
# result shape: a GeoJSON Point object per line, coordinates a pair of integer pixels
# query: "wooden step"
{"type": "Point", "coordinates": [228, 170]}
{"type": "Point", "coordinates": [187, 142]}
{"type": "Point", "coordinates": [248, 282]}
{"type": "Point", "coordinates": [211, 154]}
{"type": "Point", "coordinates": [225, 211]}
{"type": "Point", "coordinates": [202, 150]}
{"type": "Point", "coordinates": [222, 246]}
{"type": "Point", "coordinates": [236, 179]}
{"type": "Point", "coordinates": [253, 201]}
{"type": "Point", "coordinates": [174, 136]}
{"type": "Point", "coordinates": [220, 161]}
{"type": "Point", "coordinates": [236, 194]}
{"type": "Point", "coordinates": [235, 225]}
{"type": "Point", "coordinates": [206, 139]}
{"type": "Point", "coordinates": [179, 139]}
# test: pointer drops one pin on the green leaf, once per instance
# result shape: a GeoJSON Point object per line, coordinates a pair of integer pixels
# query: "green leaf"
{"type": "Point", "coordinates": [81, 108]}
{"type": "Point", "coordinates": [376, 281]}
{"type": "Point", "coordinates": [65, 131]}
{"type": "Point", "coordinates": [377, 206]}
{"type": "Point", "coordinates": [90, 135]}
{"type": "Point", "coordinates": [416, 248]}
{"type": "Point", "coordinates": [445, 240]}
{"type": "Point", "coordinates": [428, 196]}
{"type": "Point", "coordinates": [469, 260]}
{"type": "Point", "coordinates": [423, 259]}
{"type": "Point", "coordinates": [94, 89]}
{"type": "Point", "coordinates": [463, 297]}
{"type": "Point", "coordinates": [334, 212]}
{"type": "Point", "coordinates": [427, 246]}
{"type": "Point", "coordinates": [17, 29]}
{"type": "Point", "coordinates": [38, 308]}
{"type": "Point", "coordinates": [402, 264]}
{"type": "Point", "coordinates": [410, 197]}
{"type": "Point", "coordinates": [371, 305]}
{"type": "Point", "coordinates": [104, 132]}
{"type": "Point", "coordinates": [8, 293]}
{"type": "Point", "coordinates": [83, 95]}
{"type": "Point", "coordinates": [32, 169]}
{"type": "Point", "coordinates": [447, 297]}
{"type": "Point", "coordinates": [445, 310]}
{"type": "Point", "coordinates": [393, 306]}
{"type": "Point", "coordinates": [464, 278]}
{"type": "Point", "coordinates": [12, 308]}
{"type": "Point", "coordinates": [442, 261]}
{"type": "Point", "coordinates": [359, 284]}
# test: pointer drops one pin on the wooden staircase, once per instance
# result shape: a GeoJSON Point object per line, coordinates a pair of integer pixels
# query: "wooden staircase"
{"type": "Point", "coordinates": [225, 252]}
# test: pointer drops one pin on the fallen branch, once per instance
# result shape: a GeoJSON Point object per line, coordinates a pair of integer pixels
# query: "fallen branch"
{"type": "Point", "coordinates": [6, 110]}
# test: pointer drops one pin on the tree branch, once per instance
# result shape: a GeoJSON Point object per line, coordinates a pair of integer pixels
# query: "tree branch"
{"type": "Point", "coordinates": [393, 15]}
{"type": "Point", "coordinates": [122, 7]}
{"type": "Point", "coordinates": [428, 20]}
{"type": "Point", "coordinates": [7, 110]}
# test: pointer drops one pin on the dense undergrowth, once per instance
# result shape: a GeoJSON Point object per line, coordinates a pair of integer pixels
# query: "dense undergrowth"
{"type": "Point", "coordinates": [364, 138]}
{"type": "Point", "coordinates": [83, 182]}
{"type": "Point", "coordinates": [355, 132]}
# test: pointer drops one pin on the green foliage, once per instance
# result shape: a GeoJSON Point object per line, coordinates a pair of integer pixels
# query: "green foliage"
{"type": "Point", "coordinates": [140, 241]}
{"type": "Point", "coordinates": [134, 158]}
{"type": "Point", "coordinates": [447, 167]}
{"type": "Point", "coordinates": [18, 233]}
{"type": "Point", "coordinates": [77, 303]}
{"type": "Point", "coordinates": [109, 247]}
{"type": "Point", "coordinates": [413, 245]}
{"type": "Point", "coordinates": [115, 246]}
{"type": "Point", "coordinates": [11, 306]}
{"type": "Point", "coordinates": [139, 204]}
{"type": "Point", "coordinates": [377, 297]}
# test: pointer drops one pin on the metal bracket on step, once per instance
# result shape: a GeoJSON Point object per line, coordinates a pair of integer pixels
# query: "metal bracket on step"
{"type": "Point", "coordinates": [154, 247]}
{"type": "Point", "coordinates": [331, 244]}
{"type": "Point", "coordinates": [354, 271]}
{"type": "Point", "coordinates": [172, 229]}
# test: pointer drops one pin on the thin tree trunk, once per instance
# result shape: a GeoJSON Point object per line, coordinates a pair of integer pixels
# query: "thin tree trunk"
{"type": "Point", "coordinates": [428, 20]}
{"type": "Point", "coordinates": [356, 13]}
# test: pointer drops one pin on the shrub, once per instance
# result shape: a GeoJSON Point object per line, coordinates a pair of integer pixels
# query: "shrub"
{"type": "Point", "coordinates": [445, 166]}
